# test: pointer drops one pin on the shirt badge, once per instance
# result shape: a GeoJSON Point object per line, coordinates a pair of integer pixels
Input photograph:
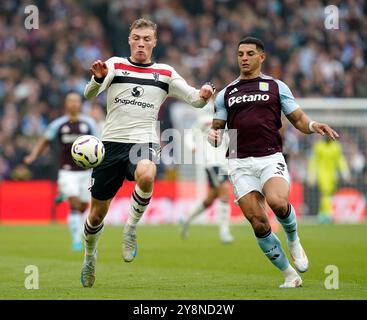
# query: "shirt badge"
{"type": "Point", "coordinates": [263, 86]}
{"type": "Point", "coordinates": [156, 76]}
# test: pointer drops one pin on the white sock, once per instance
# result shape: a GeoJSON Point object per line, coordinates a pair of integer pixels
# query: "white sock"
{"type": "Point", "coordinates": [138, 203]}
{"type": "Point", "coordinates": [91, 237]}
{"type": "Point", "coordinates": [224, 216]}
{"type": "Point", "coordinates": [75, 226]}
{"type": "Point", "coordinates": [195, 212]}
{"type": "Point", "coordinates": [289, 272]}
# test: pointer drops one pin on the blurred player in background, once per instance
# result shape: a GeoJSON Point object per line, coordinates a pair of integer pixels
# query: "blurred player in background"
{"type": "Point", "coordinates": [217, 172]}
{"type": "Point", "coordinates": [136, 88]}
{"type": "Point", "coordinates": [251, 106]}
{"type": "Point", "coordinates": [326, 163]}
{"type": "Point", "coordinates": [73, 182]}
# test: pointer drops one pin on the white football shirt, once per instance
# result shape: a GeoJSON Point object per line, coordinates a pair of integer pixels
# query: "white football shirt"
{"type": "Point", "coordinates": [135, 93]}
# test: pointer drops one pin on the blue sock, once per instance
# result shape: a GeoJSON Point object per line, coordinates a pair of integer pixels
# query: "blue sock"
{"type": "Point", "coordinates": [289, 223]}
{"type": "Point", "coordinates": [271, 246]}
{"type": "Point", "coordinates": [75, 225]}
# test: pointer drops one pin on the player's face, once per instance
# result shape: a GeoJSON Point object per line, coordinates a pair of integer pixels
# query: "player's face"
{"type": "Point", "coordinates": [72, 103]}
{"type": "Point", "coordinates": [249, 59]}
{"type": "Point", "coordinates": [142, 42]}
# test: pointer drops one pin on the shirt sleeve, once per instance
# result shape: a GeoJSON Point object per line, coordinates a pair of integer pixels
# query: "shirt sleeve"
{"type": "Point", "coordinates": [53, 128]}
{"type": "Point", "coordinates": [93, 88]}
{"type": "Point", "coordinates": [180, 89]}
{"type": "Point", "coordinates": [219, 107]}
{"type": "Point", "coordinates": [287, 100]}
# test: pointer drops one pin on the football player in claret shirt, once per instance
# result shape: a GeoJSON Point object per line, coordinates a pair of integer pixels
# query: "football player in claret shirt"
{"type": "Point", "coordinates": [251, 107]}
{"type": "Point", "coordinates": [73, 181]}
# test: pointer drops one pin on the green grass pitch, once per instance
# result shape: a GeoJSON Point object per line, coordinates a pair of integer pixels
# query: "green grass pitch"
{"type": "Point", "coordinates": [168, 267]}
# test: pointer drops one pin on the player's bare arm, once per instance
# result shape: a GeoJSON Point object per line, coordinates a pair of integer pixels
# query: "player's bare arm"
{"type": "Point", "coordinates": [216, 132]}
{"type": "Point", "coordinates": [303, 123]}
{"type": "Point", "coordinates": [99, 69]}
{"type": "Point", "coordinates": [37, 150]}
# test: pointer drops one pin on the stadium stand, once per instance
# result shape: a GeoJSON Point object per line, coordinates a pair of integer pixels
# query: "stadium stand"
{"type": "Point", "coordinates": [39, 66]}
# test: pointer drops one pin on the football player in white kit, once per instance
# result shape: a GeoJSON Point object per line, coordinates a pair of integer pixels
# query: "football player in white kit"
{"type": "Point", "coordinates": [216, 167]}
{"type": "Point", "coordinates": [136, 88]}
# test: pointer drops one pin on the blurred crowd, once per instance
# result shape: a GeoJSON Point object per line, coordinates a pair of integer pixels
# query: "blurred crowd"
{"type": "Point", "coordinates": [197, 37]}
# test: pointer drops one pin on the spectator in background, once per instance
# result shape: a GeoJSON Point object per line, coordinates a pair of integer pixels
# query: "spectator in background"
{"type": "Point", "coordinates": [97, 113]}
{"type": "Point", "coordinates": [13, 155]}
{"type": "Point", "coordinates": [4, 169]}
{"type": "Point", "coordinates": [34, 123]}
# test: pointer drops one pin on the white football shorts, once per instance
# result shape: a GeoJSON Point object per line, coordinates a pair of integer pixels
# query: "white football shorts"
{"type": "Point", "coordinates": [75, 184]}
{"type": "Point", "coordinates": [251, 173]}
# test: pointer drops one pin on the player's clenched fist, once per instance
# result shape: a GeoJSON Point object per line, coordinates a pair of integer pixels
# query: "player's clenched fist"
{"type": "Point", "coordinates": [206, 91]}
{"type": "Point", "coordinates": [215, 137]}
{"type": "Point", "coordinates": [99, 69]}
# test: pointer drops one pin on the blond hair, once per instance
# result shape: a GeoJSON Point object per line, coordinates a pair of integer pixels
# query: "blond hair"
{"type": "Point", "coordinates": [143, 23]}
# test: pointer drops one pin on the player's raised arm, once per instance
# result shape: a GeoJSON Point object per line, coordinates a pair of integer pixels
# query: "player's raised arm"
{"type": "Point", "coordinates": [302, 122]}
{"type": "Point", "coordinates": [101, 76]}
{"type": "Point", "coordinates": [298, 117]}
{"type": "Point", "coordinates": [180, 89]}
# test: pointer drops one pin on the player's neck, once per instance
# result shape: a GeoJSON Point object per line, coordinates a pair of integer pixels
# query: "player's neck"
{"type": "Point", "coordinates": [249, 76]}
{"type": "Point", "coordinates": [146, 62]}
{"type": "Point", "coordinates": [73, 117]}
